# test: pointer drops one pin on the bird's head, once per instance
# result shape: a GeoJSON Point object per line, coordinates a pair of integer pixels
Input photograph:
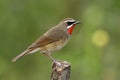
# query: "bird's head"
{"type": "Point", "coordinates": [69, 24]}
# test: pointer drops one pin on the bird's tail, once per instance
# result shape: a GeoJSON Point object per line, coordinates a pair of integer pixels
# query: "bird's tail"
{"type": "Point", "coordinates": [21, 55]}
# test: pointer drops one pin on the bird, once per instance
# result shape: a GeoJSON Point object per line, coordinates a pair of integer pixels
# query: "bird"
{"type": "Point", "coordinates": [52, 40]}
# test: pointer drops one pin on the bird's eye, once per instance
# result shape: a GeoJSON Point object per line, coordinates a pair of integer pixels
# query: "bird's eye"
{"type": "Point", "coordinates": [69, 23]}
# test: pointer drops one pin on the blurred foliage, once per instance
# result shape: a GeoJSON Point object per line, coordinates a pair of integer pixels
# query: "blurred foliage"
{"type": "Point", "coordinates": [96, 41]}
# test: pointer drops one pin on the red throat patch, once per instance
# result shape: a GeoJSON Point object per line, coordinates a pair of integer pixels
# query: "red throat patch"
{"type": "Point", "coordinates": [71, 29]}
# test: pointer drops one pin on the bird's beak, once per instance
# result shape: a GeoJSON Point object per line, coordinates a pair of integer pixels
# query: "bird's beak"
{"type": "Point", "coordinates": [77, 22]}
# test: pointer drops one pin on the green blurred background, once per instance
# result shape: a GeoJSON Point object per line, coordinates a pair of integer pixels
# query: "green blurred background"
{"type": "Point", "coordinates": [93, 50]}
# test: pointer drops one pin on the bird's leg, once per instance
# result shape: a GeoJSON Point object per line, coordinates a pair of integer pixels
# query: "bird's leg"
{"type": "Point", "coordinates": [50, 57]}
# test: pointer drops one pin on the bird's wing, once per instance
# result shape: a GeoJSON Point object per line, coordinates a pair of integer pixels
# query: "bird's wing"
{"type": "Point", "coordinates": [49, 38]}
{"type": "Point", "coordinates": [41, 42]}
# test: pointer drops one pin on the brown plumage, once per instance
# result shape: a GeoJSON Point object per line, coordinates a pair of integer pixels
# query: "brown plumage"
{"type": "Point", "coordinates": [53, 40]}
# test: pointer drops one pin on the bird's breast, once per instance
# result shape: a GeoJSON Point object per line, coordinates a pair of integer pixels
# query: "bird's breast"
{"type": "Point", "coordinates": [55, 45]}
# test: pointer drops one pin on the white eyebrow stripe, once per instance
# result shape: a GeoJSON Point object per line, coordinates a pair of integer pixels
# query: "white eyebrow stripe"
{"type": "Point", "coordinates": [70, 21]}
{"type": "Point", "coordinates": [69, 26]}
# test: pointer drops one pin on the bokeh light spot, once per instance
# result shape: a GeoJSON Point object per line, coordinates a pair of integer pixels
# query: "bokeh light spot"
{"type": "Point", "coordinates": [100, 38]}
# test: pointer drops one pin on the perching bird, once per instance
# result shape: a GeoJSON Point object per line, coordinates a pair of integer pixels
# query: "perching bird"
{"type": "Point", "coordinates": [54, 39]}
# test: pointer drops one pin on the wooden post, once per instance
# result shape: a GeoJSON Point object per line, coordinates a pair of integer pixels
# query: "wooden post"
{"type": "Point", "coordinates": [60, 70]}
